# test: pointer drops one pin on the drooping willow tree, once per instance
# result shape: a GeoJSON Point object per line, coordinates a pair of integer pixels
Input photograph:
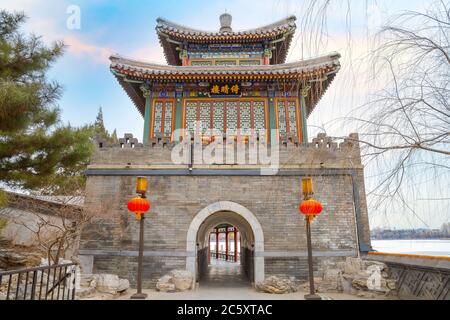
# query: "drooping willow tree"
{"type": "Point", "coordinates": [404, 124]}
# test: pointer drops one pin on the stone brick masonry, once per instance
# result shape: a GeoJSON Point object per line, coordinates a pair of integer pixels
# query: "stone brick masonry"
{"type": "Point", "coordinates": [109, 243]}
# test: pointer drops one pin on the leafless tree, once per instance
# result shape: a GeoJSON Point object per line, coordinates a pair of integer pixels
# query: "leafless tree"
{"type": "Point", "coordinates": [55, 222]}
{"type": "Point", "coordinates": [405, 125]}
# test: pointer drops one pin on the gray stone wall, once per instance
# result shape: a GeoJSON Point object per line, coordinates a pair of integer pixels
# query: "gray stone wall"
{"type": "Point", "coordinates": [112, 236]}
{"type": "Point", "coordinates": [322, 152]}
{"type": "Point", "coordinates": [418, 278]}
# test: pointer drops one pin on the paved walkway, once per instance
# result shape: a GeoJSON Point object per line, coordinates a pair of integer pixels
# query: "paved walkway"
{"type": "Point", "coordinates": [233, 294]}
{"type": "Point", "coordinates": [222, 274]}
{"type": "Point", "coordinates": [225, 281]}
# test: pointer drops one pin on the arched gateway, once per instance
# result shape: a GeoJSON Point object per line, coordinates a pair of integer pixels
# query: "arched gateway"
{"type": "Point", "coordinates": [253, 89]}
{"type": "Point", "coordinates": [226, 212]}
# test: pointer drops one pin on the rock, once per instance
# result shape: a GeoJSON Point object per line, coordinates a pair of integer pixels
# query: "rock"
{"type": "Point", "coordinates": [105, 284]}
{"type": "Point", "coordinates": [332, 275]}
{"type": "Point", "coordinates": [365, 294]}
{"type": "Point", "coordinates": [368, 282]}
{"type": "Point", "coordinates": [164, 284]}
{"type": "Point", "coordinates": [276, 285]}
{"type": "Point", "coordinates": [353, 265]}
{"type": "Point", "coordinates": [84, 292]}
{"type": "Point", "coordinates": [332, 284]}
{"type": "Point", "coordinates": [124, 285]}
{"type": "Point", "coordinates": [360, 284]}
{"type": "Point", "coordinates": [176, 280]}
{"type": "Point", "coordinates": [355, 276]}
{"type": "Point", "coordinates": [391, 284]}
{"type": "Point", "coordinates": [329, 286]}
{"type": "Point", "coordinates": [12, 259]}
{"type": "Point", "coordinates": [182, 279]}
{"type": "Point", "coordinates": [110, 283]}
{"type": "Point", "coordinates": [340, 265]}
{"type": "Point", "coordinates": [88, 280]}
{"type": "Point", "coordinates": [370, 264]}
{"type": "Point", "coordinates": [346, 285]}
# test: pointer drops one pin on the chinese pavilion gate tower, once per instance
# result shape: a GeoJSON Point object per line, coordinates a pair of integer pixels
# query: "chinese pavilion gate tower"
{"type": "Point", "coordinates": [226, 80]}
{"type": "Point", "coordinates": [235, 82]}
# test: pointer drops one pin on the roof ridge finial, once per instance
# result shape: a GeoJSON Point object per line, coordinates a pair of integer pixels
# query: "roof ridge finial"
{"type": "Point", "coordinates": [225, 22]}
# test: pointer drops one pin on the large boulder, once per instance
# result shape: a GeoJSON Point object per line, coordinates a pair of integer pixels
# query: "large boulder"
{"type": "Point", "coordinates": [353, 265]}
{"type": "Point", "coordinates": [363, 278]}
{"type": "Point", "coordinates": [331, 281]}
{"type": "Point", "coordinates": [368, 279]}
{"type": "Point", "coordinates": [277, 285]}
{"type": "Point", "coordinates": [124, 285]}
{"type": "Point", "coordinates": [165, 284]}
{"type": "Point", "coordinates": [176, 280]}
{"type": "Point", "coordinates": [11, 259]}
{"type": "Point", "coordinates": [85, 292]}
{"type": "Point", "coordinates": [182, 279]}
{"type": "Point", "coordinates": [111, 283]}
{"type": "Point", "coordinates": [107, 283]}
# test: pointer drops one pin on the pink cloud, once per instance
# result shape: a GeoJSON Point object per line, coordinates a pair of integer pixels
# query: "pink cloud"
{"type": "Point", "coordinates": [151, 54]}
{"type": "Point", "coordinates": [96, 53]}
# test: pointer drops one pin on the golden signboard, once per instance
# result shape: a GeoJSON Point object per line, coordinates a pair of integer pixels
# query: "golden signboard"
{"type": "Point", "coordinates": [225, 89]}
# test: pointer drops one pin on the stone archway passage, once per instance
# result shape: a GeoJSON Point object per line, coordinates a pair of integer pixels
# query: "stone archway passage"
{"type": "Point", "coordinates": [252, 236]}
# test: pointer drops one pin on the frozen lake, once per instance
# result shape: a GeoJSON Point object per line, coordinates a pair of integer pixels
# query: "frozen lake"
{"type": "Point", "coordinates": [420, 247]}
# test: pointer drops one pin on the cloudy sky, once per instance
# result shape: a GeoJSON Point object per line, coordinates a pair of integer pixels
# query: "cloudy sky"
{"type": "Point", "coordinates": [128, 28]}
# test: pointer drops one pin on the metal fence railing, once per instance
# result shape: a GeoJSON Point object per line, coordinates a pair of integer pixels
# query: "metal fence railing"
{"type": "Point", "coordinates": [56, 282]}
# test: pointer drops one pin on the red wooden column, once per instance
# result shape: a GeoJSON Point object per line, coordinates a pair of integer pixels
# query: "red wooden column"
{"type": "Point", "coordinates": [235, 245]}
{"type": "Point", "coordinates": [226, 245]}
{"type": "Point", "coordinates": [217, 243]}
{"type": "Point", "coordinates": [209, 248]}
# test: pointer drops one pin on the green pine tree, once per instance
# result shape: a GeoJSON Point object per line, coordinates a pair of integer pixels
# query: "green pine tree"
{"type": "Point", "coordinates": [101, 132]}
{"type": "Point", "coordinates": [114, 138]}
{"type": "Point", "coordinates": [37, 152]}
{"type": "Point", "coordinates": [99, 125]}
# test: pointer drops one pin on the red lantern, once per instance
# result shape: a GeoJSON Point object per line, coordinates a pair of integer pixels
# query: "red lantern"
{"type": "Point", "coordinates": [311, 207]}
{"type": "Point", "coordinates": [139, 206]}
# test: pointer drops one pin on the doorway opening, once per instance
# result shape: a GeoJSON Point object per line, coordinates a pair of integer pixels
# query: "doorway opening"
{"type": "Point", "coordinates": [225, 251]}
{"type": "Point", "coordinates": [203, 259]}
{"type": "Point", "coordinates": [224, 259]}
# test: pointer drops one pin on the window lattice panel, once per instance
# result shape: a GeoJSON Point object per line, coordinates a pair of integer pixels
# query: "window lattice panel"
{"type": "Point", "coordinates": [168, 116]}
{"type": "Point", "coordinates": [282, 125]}
{"type": "Point", "coordinates": [232, 117]}
{"type": "Point", "coordinates": [218, 116]}
{"type": "Point", "coordinates": [191, 116]}
{"type": "Point", "coordinates": [245, 117]}
{"type": "Point", "coordinates": [259, 116]}
{"type": "Point", "coordinates": [224, 115]}
{"type": "Point", "coordinates": [292, 107]}
{"type": "Point", "coordinates": [157, 121]}
{"type": "Point", "coordinates": [205, 116]}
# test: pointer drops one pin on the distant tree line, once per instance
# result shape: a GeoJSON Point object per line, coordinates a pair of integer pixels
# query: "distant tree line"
{"type": "Point", "coordinates": [388, 234]}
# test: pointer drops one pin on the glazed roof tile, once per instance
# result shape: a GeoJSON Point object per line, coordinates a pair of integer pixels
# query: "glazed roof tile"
{"type": "Point", "coordinates": [171, 33]}
{"type": "Point", "coordinates": [279, 27]}
{"type": "Point", "coordinates": [147, 69]}
{"type": "Point", "coordinates": [130, 73]}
